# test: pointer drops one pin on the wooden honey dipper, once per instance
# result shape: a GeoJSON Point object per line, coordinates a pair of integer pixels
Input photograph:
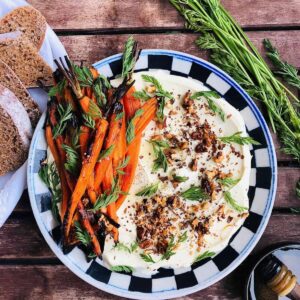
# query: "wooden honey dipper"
{"type": "Point", "coordinates": [279, 278]}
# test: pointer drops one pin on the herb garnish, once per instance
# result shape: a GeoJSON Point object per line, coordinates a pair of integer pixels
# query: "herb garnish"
{"type": "Point", "coordinates": [147, 258]}
{"type": "Point", "coordinates": [128, 60]}
{"type": "Point", "coordinates": [126, 269]}
{"type": "Point", "coordinates": [161, 161]}
{"type": "Point", "coordinates": [88, 121]}
{"type": "Point", "coordinates": [283, 69]}
{"type": "Point", "coordinates": [180, 178]}
{"type": "Point", "coordinates": [72, 160]}
{"type": "Point", "coordinates": [119, 116]}
{"type": "Point", "coordinates": [131, 128]}
{"type": "Point", "coordinates": [123, 247]}
{"type": "Point", "coordinates": [141, 95]}
{"type": "Point", "coordinates": [229, 199]}
{"type": "Point", "coordinates": [65, 114]}
{"type": "Point", "coordinates": [211, 103]}
{"type": "Point", "coordinates": [194, 193]}
{"type": "Point", "coordinates": [105, 153]}
{"type": "Point", "coordinates": [83, 75]}
{"type": "Point", "coordinates": [94, 110]}
{"type": "Point", "coordinates": [229, 181]}
{"type": "Point", "coordinates": [148, 190]}
{"type": "Point", "coordinates": [172, 245]}
{"type": "Point", "coordinates": [49, 175]}
{"type": "Point", "coordinates": [204, 255]}
{"type": "Point", "coordinates": [81, 234]}
{"type": "Point", "coordinates": [298, 188]}
{"type": "Point", "coordinates": [57, 89]}
{"type": "Point", "coordinates": [101, 84]}
{"type": "Point", "coordinates": [122, 165]}
{"type": "Point", "coordinates": [238, 139]}
{"type": "Point", "coordinates": [161, 94]}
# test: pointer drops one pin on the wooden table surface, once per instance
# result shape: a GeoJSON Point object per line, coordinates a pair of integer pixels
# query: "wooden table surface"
{"type": "Point", "coordinates": [93, 29]}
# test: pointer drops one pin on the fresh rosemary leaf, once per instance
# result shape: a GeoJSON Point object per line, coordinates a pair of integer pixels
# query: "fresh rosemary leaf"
{"type": "Point", "coordinates": [123, 247]}
{"type": "Point", "coordinates": [65, 113]}
{"type": "Point", "coordinates": [88, 121]}
{"type": "Point", "coordinates": [204, 255]}
{"type": "Point", "coordinates": [84, 75]}
{"type": "Point", "coordinates": [160, 161]}
{"type": "Point", "coordinates": [72, 160]}
{"type": "Point", "coordinates": [126, 269]}
{"type": "Point", "coordinates": [57, 89]}
{"type": "Point", "coordinates": [148, 190]}
{"type": "Point", "coordinates": [94, 110]}
{"type": "Point", "coordinates": [75, 138]}
{"type": "Point", "coordinates": [194, 193]}
{"type": "Point", "coordinates": [92, 255]}
{"type": "Point", "coordinates": [105, 81]}
{"type": "Point", "coordinates": [169, 251]}
{"type": "Point", "coordinates": [105, 153]}
{"type": "Point", "coordinates": [206, 94]}
{"type": "Point", "coordinates": [182, 238]}
{"type": "Point", "coordinates": [49, 175]}
{"type": "Point", "coordinates": [152, 80]}
{"type": "Point", "coordinates": [141, 95]}
{"type": "Point", "coordinates": [122, 165]}
{"type": "Point", "coordinates": [229, 199]}
{"type": "Point", "coordinates": [81, 234]}
{"type": "Point", "coordinates": [211, 103]}
{"type": "Point", "coordinates": [283, 69]}
{"type": "Point", "coordinates": [130, 128]}
{"type": "Point", "coordinates": [238, 139]}
{"type": "Point", "coordinates": [160, 115]}
{"type": "Point", "coordinates": [147, 258]}
{"type": "Point", "coordinates": [180, 178]}
{"type": "Point", "coordinates": [98, 88]}
{"type": "Point", "coordinates": [134, 246]}
{"type": "Point", "coordinates": [119, 116]}
{"type": "Point", "coordinates": [128, 59]}
{"type": "Point", "coordinates": [229, 181]}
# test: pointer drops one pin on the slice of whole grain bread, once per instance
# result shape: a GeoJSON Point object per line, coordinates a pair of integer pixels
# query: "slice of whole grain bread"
{"type": "Point", "coordinates": [15, 132]}
{"type": "Point", "coordinates": [27, 20]}
{"type": "Point", "coordinates": [22, 57]}
{"type": "Point", "coordinates": [11, 81]}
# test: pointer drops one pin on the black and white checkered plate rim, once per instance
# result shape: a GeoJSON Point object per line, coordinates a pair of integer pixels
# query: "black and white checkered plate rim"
{"type": "Point", "coordinates": [169, 283]}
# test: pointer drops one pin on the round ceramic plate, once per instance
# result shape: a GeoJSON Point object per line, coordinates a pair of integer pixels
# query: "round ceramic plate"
{"type": "Point", "coordinates": [288, 254]}
{"type": "Point", "coordinates": [169, 283]}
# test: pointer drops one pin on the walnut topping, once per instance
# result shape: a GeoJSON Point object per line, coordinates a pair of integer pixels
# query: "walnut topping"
{"type": "Point", "coordinates": [187, 101]}
{"type": "Point", "coordinates": [150, 89]}
{"type": "Point", "coordinates": [193, 165]}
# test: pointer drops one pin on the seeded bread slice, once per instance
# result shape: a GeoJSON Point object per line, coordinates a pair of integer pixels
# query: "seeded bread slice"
{"type": "Point", "coordinates": [27, 20]}
{"type": "Point", "coordinates": [15, 132]}
{"type": "Point", "coordinates": [11, 81]}
{"type": "Point", "coordinates": [22, 57]}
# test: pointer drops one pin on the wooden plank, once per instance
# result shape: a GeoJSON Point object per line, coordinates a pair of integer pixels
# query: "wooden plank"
{"type": "Point", "coordinates": [20, 237]}
{"type": "Point", "coordinates": [126, 14]}
{"type": "Point", "coordinates": [57, 282]}
{"type": "Point", "coordinates": [92, 48]}
{"type": "Point", "coordinates": [285, 196]}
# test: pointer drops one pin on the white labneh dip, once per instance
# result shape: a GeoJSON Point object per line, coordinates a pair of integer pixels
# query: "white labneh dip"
{"type": "Point", "coordinates": [224, 220]}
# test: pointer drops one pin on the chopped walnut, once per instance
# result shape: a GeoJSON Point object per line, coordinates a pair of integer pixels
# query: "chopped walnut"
{"type": "Point", "coordinates": [193, 165]}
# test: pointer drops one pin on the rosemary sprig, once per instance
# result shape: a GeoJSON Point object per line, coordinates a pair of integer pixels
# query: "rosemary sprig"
{"type": "Point", "coordinates": [83, 75]}
{"type": "Point", "coordinates": [147, 258]}
{"type": "Point", "coordinates": [65, 113]}
{"type": "Point", "coordinates": [57, 89]}
{"type": "Point", "coordinates": [148, 190]}
{"type": "Point", "coordinates": [131, 128]}
{"type": "Point", "coordinates": [172, 245]}
{"type": "Point", "coordinates": [232, 202]}
{"type": "Point", "coordinates": [105, 153]}
{"type": "Point", "coordinates": [194, 193]}
{"type": "Point", "coordinates": [122, 165]}
{"type": "Point", "coordinates": [142, 95]}
{"type": "Point", "coordinates": [88, 121]}
{"type": "Point", "coordinates": [160, 161]}
{"type": "Point", "coordinates": [180, 178]}
{"type": "Point", "coordinates": [283, 69]}
{"type": "Point", "coordinates": [49, 175]}
{"type": "Point", "coordinates": [204, 255]}
{"type": "Point", "coordinates": [233, 52]}
{"type": "Point", "coordinates": [129, 59]}
{"type": "Point", "coordinates": [160, 93]}
{"type": "Point", "coordinates": [238, 139]}
{"type": "Point", "coordinates": [229, 182]}
{"type": "Point", "coordinates": [72, 163]}
{"type": "Point", "coordinates": [126, 269]}
{"type": "Point", "coordinates": [81, 234]}
{"type": "Point", "coordinates": [119, 116]}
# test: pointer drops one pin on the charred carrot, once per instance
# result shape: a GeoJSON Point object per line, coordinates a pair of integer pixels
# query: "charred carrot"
{"type": "Point", "coordinates": [84, 136]}
{"type": "Point", "coordinates": [88, 227]}
{"type": "Point", "coordinates": [88, 165]}
{"type": "Point", "coordinates": [91, 190]}
{"type": "Point", "coordinates": [131, 104]}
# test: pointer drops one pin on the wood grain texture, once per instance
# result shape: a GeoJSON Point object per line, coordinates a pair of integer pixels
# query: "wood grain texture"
{"type": "Point", "coordinates": [20, 237]}
{"type": "Point", "coordinates": [107, 14]}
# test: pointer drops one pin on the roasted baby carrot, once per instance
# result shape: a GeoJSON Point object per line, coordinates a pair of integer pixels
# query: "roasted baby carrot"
{"type": "Point", "coordinates": [84, 136]}
{"type": "Point", "coordinates": [88, 165]}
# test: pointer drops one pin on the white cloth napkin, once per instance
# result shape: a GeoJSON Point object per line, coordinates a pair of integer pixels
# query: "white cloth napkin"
{"type": "Point", "coordinates": [13, 183]}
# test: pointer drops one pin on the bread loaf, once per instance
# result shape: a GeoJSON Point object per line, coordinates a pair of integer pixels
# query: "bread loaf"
{"type": "Point", "coordinates": [21, 56]}
{"type": "Point", "coordinates": [15, 132]}
{"type": "Point", "coordinates": [27, 20]}
{"type": "Point", "coordinates": [11, 81]}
